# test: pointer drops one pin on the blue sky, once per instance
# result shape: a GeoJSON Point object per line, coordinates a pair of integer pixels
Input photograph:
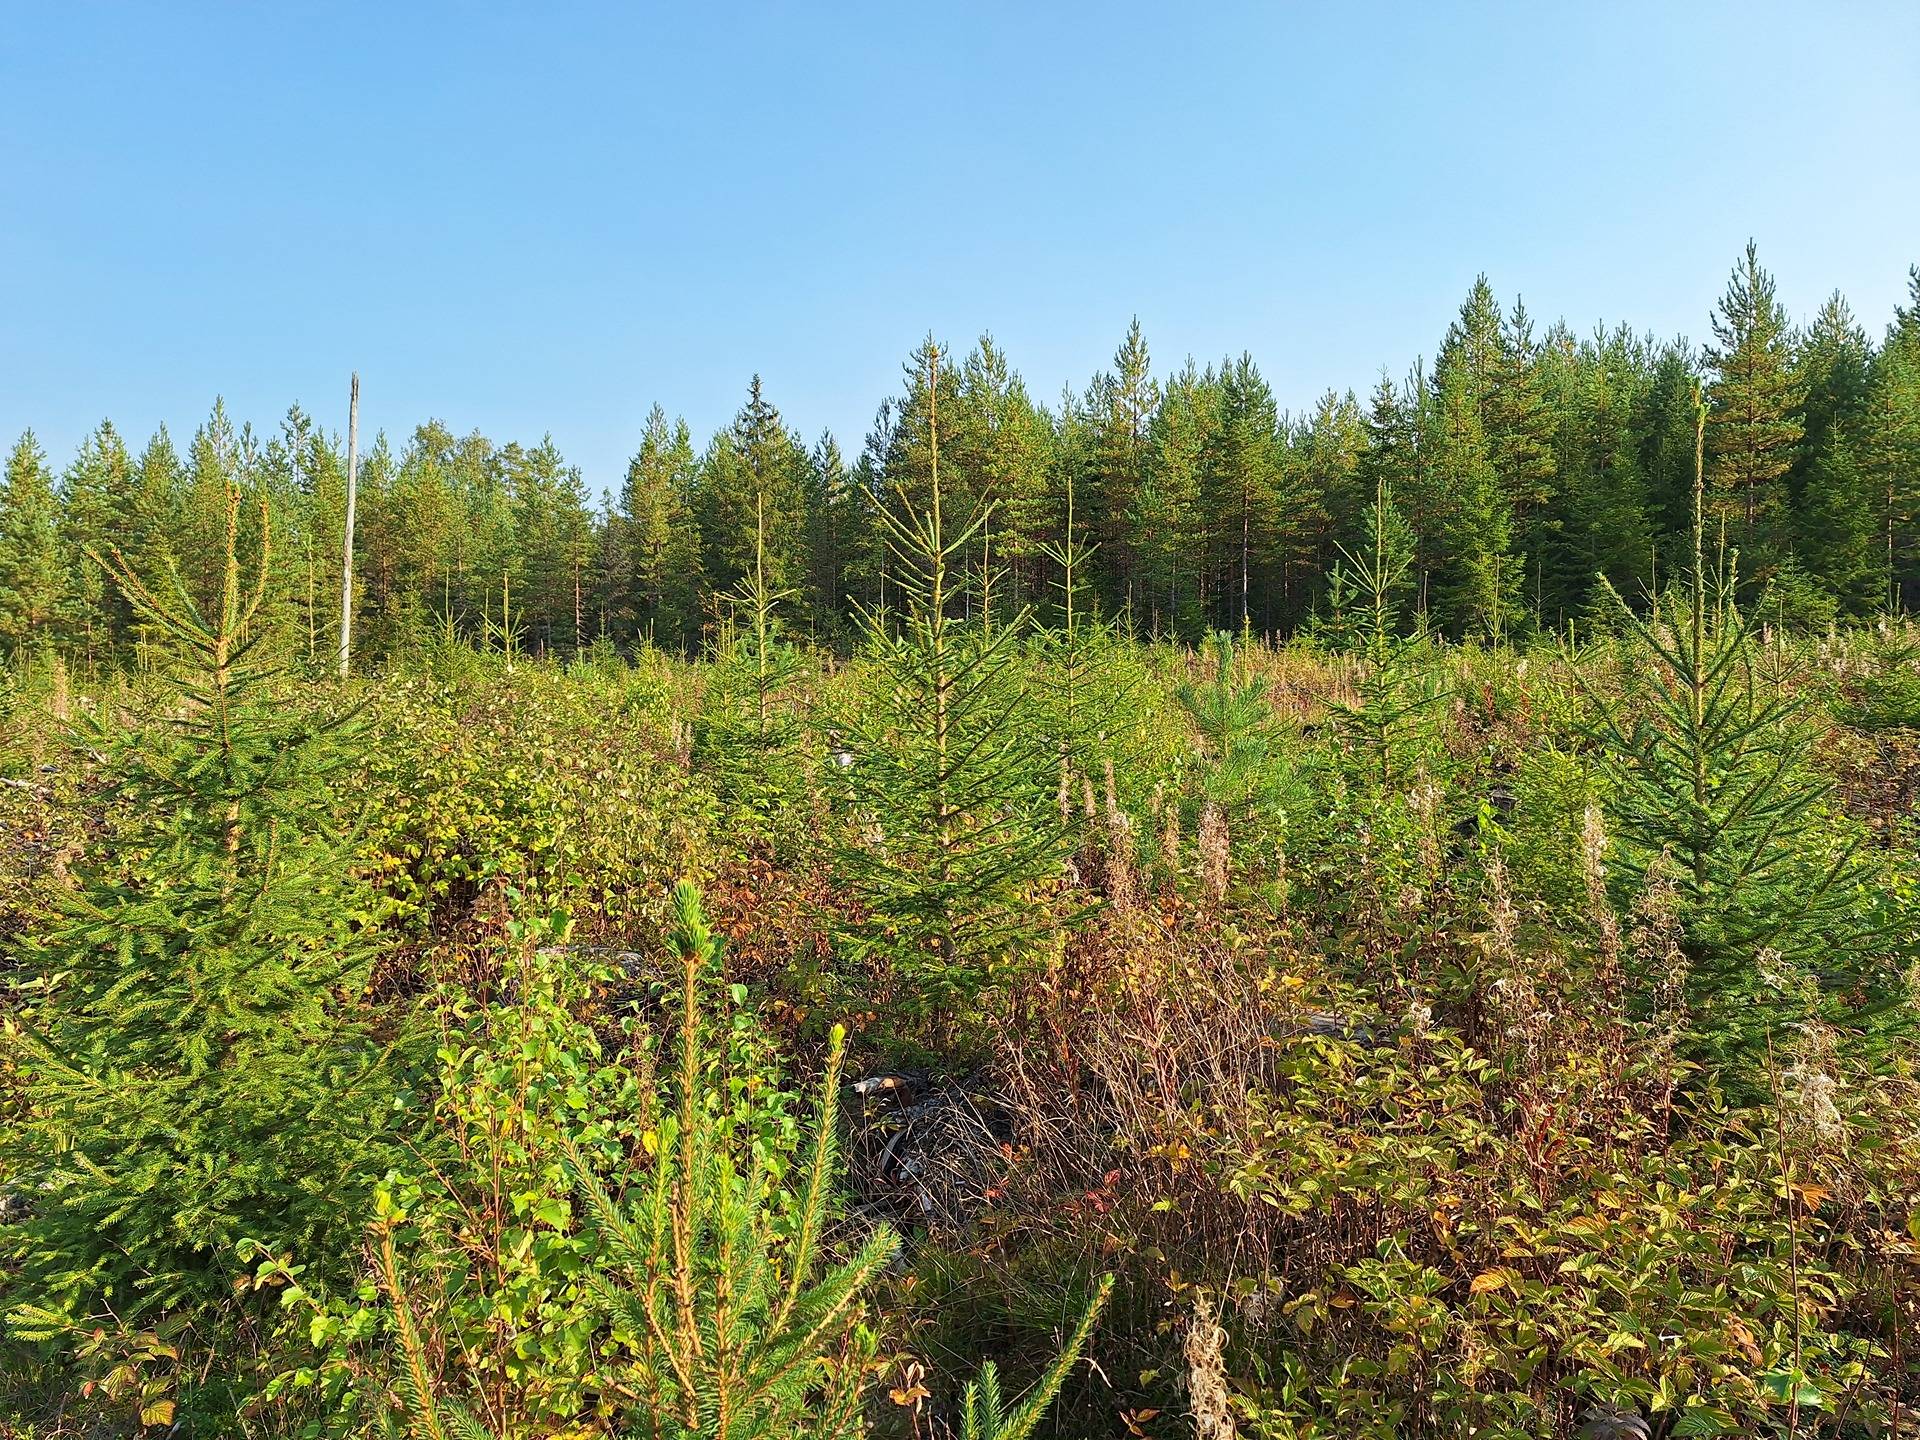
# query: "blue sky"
{"type": "Point", "coordinates": [545, 218]}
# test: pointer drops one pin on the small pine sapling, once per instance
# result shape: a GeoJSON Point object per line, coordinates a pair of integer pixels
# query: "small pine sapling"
{"type": "Point", "coordinates": [728, 1320]}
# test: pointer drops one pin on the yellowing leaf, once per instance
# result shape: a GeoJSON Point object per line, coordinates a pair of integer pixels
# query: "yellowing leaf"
{"type": "Point", "coordinates": [159, 1412]}
{"type": "Point", "coordinates": [1488, 1280]}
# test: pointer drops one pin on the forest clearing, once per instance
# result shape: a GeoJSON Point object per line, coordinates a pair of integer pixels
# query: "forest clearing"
{"type": "Point", "coordinates": [1009, 1023]}
{"type": "Point", "coordinates": [990, 722]}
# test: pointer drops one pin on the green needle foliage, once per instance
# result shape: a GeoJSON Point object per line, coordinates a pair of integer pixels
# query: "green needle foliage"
{"type": "Point", "coordinates": [194, 1066]}
{"type": "Point", "coordinates": [747, 731]}
{"type": "Point", "coordinates": [983, 1414]}
{"type": "Point", "coordinates": [1395, 689]}
{"type": "Point", "coordinates": [738, 1338]}
{"type": "Point", "coordinates": [1711, 786]}
{"type": "Point", "coordinates": [727, 1320]}
{"type": "Point", "coordinates": [1240, 736]}
{"type": "Point", "coordinates": [947, 780]}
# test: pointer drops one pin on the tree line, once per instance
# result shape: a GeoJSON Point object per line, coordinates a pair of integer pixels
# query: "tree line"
{"type": "Point", "coordinates": [1524, 465]}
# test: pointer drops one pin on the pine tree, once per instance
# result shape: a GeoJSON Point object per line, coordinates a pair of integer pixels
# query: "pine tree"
{"type": "Point", "coordinates": [1755, 425]}
{"type": "Point", "coordinates": [1167, 520]}
{"type": "Point", "coordinates": [195, 1071]}
{"type": "Point", "coordinates": [33, 582]}
{"type": "Point", "coordinates": [1890, 446]}
{"type": "Point", "coordinates": [1120, 406]}
{"type": "Point", "coordinates": [1243, 480]}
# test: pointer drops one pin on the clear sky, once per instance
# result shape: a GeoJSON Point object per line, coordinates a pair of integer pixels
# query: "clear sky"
{"type": "Point", "coordinates": [537, 218]}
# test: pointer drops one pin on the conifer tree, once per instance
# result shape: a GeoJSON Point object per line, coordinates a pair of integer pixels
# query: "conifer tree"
{"type": "Point", "coordinates": [1755, 424]}
{"type": "Point", "coordinates": [1710, 789]}
{"type": "Point", "coordinates": [96, 494]}
{"type": "Point", "coordinates": [148, 547]}
{"type": "Point", "coordinates": [33, 583]}
{"type": "Point", "coordinates": [1243, 476]}
{"type": "Point", "coordinates": [1520, 439]}
{"type": "Point", "coordinates": [1120, 405]}
{"type": "Point", "coordinates": [194, 1066]}
{"type": "Point", "coordinates": [1001, 440]}
{"type": "Point", "coordinates": [1663, 422]}
{"type": "Point", "coordinates": [730, 1318]}
{"type": "Point", "coordinates": [1890, 445]}
{"type": "Point", "coordinates": [945, 777]}
{"type": "Point", "coordinates": [659, 538]}
{"type": "Point", "coordinates": [1602, 527]}
{"type": "Point", "coordinates": [1317, 489]}
{"type": "Point", "coordinates": [1394, 690]}
{"type": "Point", "coordinates": [1833, 363]}
{"type": "Point", "coordinates": [221, 457]}
{"type": "Point", "coordinates": [1481, 576]}
{"type": "Point", "coordinates": [1167, 519]}
{"type": "Point", "coordinates": [834, 518]}
{"type": "Point", "coordinates": [746, 730]}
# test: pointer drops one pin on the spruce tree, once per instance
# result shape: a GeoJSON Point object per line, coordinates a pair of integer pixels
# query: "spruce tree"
{"type": "Point", "coordinates": [1002, 441]}
{"type": "Point", "coordinates": [1480, 575]}
{"type": "Point", "coordinates": [1663, 425]}
{"type": "Point", "coordinates": [1754, 426]}
{"type": "Point", "coordinates": [1520, 437]}
{"type": "Point", "coordinates": [834, 517]}
{"type": "Point", "coordinates": [33, 583]}
{"type": "Point", "coordinates": [947, 786]}
{"type": "Point", "coordinates": [747, 729]}
{"type": "Point", "coordinates": [1711, 790]}
{"type": "Point", "coordinates": [1320, 493]}
{"type": "Point", "coordinates": [1602, 523]}
{"type": "Point", "coordinates": [659, 540]}
{"type": "Point", "coordinates": [195, 1069]}
{"type": "Point", "coordinates": [1394, 690]}
{"type": "Point", "coordinates": [1833, 363]}
{"type": "Point", "coordinates": [96, 496]}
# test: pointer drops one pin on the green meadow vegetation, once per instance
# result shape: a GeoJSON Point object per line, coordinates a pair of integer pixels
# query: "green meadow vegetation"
{"type": "Point", "coordinates": [1383, 982]}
